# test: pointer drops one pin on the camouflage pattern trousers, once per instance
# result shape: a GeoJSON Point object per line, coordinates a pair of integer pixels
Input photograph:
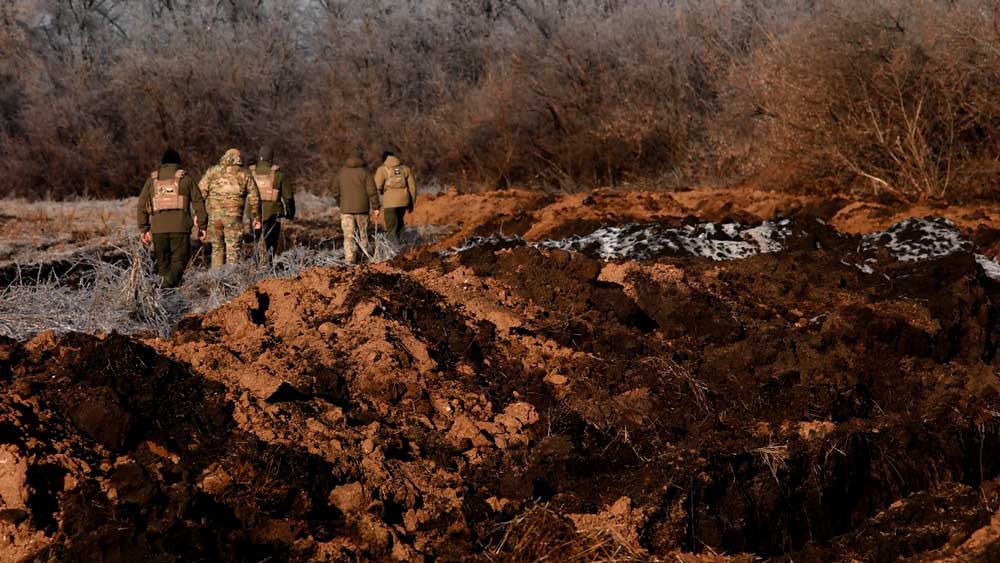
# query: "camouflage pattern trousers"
{"type": "Point", "coordinates": [355, 227]}
{"type": "Point", "coordinates": [226, 235]}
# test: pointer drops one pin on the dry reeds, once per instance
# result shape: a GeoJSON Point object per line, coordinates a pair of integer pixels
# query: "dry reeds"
{"type": "Point", "coordinates": [124, 296]}
{"type": "Point", "coordinates": [539, 534]}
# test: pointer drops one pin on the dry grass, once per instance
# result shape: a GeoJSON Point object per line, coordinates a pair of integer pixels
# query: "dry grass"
{"type": "Point", "coordinates": [109, 297]}
{"type": "Point", "coordinates": [539, 534]}
{"type": "Point", "coordinates": [123, 295]}
{"type": "Point", "coordinates": [47, 230]}
{"type": "Point", "coordinates": [775, 458]}
{"type": "Point", "coordinates": [684, 379]}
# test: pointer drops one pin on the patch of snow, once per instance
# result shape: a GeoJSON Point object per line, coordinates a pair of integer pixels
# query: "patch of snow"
{"type": "Point", "coordinates": [730, 241]}
{"type": "Point", "coordinates": [476, 242]}
{"type": "Point", "coordinates": [865, 268]}
{"type": "Point", "coordinates": [989, 265]}
{"type": "Point", "coordinates": [915, 240]}
{"type": "Point", "coordinates": [608, 243]}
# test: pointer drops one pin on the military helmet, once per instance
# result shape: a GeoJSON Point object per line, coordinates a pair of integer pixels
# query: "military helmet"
{"type": "Point", "coordinates": [233, 157]}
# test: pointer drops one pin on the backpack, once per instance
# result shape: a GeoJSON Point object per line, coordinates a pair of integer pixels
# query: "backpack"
{"type": "Point", "coordinates": [167, 193]}
{"type": "Point", "coordinates": [396, 178]}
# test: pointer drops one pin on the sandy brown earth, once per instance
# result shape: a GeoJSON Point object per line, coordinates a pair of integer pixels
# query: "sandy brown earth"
{"type": "Point", "coordinates": [829, 401]}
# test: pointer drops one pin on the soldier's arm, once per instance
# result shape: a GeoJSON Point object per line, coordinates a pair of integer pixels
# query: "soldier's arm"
{"type": "Point", "coordinates": [143, 208]}
{"type": "Point", "coordinates": [411, 185]}
{"type": "Point", "coordinates": [198, 203]}
{"type": "Point", "coordinates": [287, 195]}
{"type": "Point", "coordinates": [205, 184]}
{"type": "Point", "coordinates": [372, 192]}
{"type": "Point", "coordinates": [380, 179]}
{"type": "Point", "coordinates": [335, 188]}
{"type": "Point", "coordinates": [253, 193]}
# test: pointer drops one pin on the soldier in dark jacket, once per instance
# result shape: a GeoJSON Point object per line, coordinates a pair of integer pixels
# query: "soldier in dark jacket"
{"type": "Point", "coordinates": [164, 214]}
{"type": "Point", "coordinates": [354, 188]}
{"type": "Point", "coordinates": [277, 198]}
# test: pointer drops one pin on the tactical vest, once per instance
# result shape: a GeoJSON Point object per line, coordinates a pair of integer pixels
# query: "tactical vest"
{"type": "Point", "coordinates": [167, 193]}
{"type": "Point", "coordinates": [266, 184]}
{"type": "Point", "coordinates": [395, 178]}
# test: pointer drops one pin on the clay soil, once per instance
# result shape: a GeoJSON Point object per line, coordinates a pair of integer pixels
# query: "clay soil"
{"type": "Point", "coordinates": [514, 403]}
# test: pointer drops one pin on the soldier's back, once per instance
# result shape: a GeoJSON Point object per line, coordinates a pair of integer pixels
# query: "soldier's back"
{"type": "Point", "coordinates": [227, 190]}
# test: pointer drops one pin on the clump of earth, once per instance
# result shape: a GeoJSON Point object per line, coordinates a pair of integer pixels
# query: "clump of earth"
{"type": "Point", "coordinates": [610, 376]}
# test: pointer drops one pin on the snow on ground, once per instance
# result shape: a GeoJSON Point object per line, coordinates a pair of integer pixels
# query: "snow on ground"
{"type": "Point", "coordinates": [730, 241]}
{"type": "Point", "coordinates": [989, 265]}
{"type": "Point", "coordinates": [639, 242]}
{"type": "Point", "coordinates": [911, 240]}
{"type": "Point", "coordinates": [916, 240]}
{"type": "Point", "coordinates": [497, 240]}
{"type": "Point", "coordinates": [635, 241]}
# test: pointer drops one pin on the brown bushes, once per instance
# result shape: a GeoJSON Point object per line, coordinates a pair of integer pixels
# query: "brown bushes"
{"type": "Point", "coordinates": [894, 97]}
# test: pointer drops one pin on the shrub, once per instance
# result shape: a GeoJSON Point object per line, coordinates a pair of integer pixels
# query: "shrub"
{"type": "Point", "coordinates": [899, 98]}
{"type": "Point", "coordinates": [893, 97]}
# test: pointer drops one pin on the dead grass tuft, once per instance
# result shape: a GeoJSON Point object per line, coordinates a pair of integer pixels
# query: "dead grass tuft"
{"type": "Point", "coordinates": [539, 534]}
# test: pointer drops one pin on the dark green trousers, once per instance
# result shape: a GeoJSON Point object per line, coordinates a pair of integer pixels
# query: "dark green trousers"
{"type": "Point", "coordinates": [271, 231]}
{"type": "Point", "coordinates": [172, 252]}
{"type": "Point", "coordinates": [394, 223]}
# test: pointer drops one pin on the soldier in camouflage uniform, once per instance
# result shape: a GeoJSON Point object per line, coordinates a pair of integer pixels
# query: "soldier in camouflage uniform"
{"type": "Point", "coordinates": [226, 187]}
{"type": "Point", "coordinates": [164, 214]}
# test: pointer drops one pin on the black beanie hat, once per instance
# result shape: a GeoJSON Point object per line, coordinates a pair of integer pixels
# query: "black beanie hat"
{"type": "Point", "coordinates": [170, 156]}
{"type": "Point", "coordinates": [265, 153]}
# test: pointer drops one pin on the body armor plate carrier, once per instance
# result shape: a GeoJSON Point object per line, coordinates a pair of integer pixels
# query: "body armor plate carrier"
{"type": "Point", "coordinates": [265, 184]}
{"type": "Point", "coordinates": [167, 193]}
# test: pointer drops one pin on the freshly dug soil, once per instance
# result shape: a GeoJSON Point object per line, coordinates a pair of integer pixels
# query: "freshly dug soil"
{"type": "Point", "coordinates": [512, 402]}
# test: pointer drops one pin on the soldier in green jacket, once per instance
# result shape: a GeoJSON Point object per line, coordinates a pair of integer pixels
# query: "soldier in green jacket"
{"type": "Point", "coordinates": [164, 214]}
{"type": "Point", "coordinates": [277, 198]}
{"type": "Point", "coordinates": [399, 192]}
{"type": "Point", "coordinates": [354, 188]}
{"type": "Point", "coordinates": [226, 188]}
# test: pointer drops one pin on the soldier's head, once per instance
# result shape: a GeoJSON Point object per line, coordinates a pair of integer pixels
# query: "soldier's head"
{"type": "Point", "coordinates": [233, 157]}
{"type": "Point", "coordinates": [387, 154]}
{"type": "Point", "coordinates": [170, 156]}
{"type": "Point", "coordinates": [265, 153]}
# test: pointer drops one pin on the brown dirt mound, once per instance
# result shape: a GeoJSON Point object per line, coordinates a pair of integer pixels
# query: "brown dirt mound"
{"type": "Point", "coordinates": [510, 403]}
{"type": "Point", "coordinates": [536, 216]}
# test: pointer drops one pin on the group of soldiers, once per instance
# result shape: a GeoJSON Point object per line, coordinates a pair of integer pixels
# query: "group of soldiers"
{"type": "Point", "coordinates": [218, 201]}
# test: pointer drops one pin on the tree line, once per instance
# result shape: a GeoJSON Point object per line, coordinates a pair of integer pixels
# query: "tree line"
{"type": "Point", "coordinates": [896, 98]}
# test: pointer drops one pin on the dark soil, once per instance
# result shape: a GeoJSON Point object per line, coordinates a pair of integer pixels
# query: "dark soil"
{"type": "Point", "coordinates": [511, 403]}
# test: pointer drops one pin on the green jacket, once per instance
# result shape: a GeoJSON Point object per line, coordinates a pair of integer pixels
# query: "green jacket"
{"type": "Point", "coordinates": [403, 196]}
{"type": "Point", "coordinates": [175, 220]}
{"type": "Point", "coordinates": [285, 206]}
{"type": "Point", "coordinates": [354, 188]}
